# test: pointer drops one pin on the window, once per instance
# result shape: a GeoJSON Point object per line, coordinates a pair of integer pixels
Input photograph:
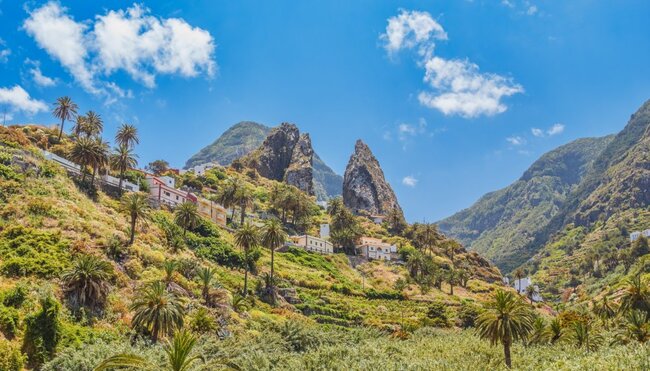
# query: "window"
{"type": "Point", "coordinates": [167, 194]}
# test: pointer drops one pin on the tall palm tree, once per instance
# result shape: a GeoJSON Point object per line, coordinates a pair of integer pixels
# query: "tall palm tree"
{"type": "Point", "coordinates": [636, 295]}
{"type": "Point", "coordinates": [247, 238]}
{"type": "Point", "coordinates": [273, 237]}
{"type": "Point", "coordinates": [506, 319]}
{"type": "Point", "coordinates": [187, 216]}
{"type": "Point", "coordinates": [64, 109]}
{"type": "Point", "coordinates": [83, 153]}
{"type": "Point", "coordinates": [519, 274]}
{"type": "Point", "coordinates": [530, 293]}
{"type": "Point", "coordinates": [179, 356]}
{"type": "Point", "coordinates": [605, 310]}
{"type": "Point", "coordinates": [226, 195]}
{"type": "Point", "coordinates": [122, 160]}
{"type": "Point", "coordinates": [87, 281]}
{"type": "Point", "coordinates": [93, 124]}
{"type": "Point", "coordinates": [78, 127]}
{"type": "Point", "coordinates": [244, 198]}
{"type": "Point", "coordinates": [101, 156]}
{"type": "Point", "coordinates": [127, 136]}
{"type": "Point", "coordinates": [206, 276]}
{"type": "Point", "coordinates": [136, 206]}
{"type": "Point", "coordinates": [157, 311]}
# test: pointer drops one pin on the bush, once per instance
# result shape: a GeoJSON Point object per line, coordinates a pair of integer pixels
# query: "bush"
{"type": "Point", "coordinates": [42, 331]}
{"type": "Point", "coordinates": [221, 254]}
{"type": "Point", "coordinates": [11, 359]}
{"type": "Point", "coordinates": [389, 295]}
{"type": "Point", "coordinates": [27, 251]}
{"type": "Point", "coordinates": [16, 296]}
{"type": "Point", "coordinates": [8, 321]}
{"type": "Point", "coordinates": [467, 314]}
{"type": "Point", "coordinates": [437, 314]}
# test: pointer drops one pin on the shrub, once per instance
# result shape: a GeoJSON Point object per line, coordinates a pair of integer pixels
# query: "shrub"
{"type": "Point", "coordinates": [389, 295]}
{"type": "Point", "coordinates": [467, 314]}
{"type": "Point", "coordinates": [27, 251]}
{"type": "Point", "coordinates": [8, 321]}
{"type": "Point", "coordinates": [437, 314]}
{"type": "Point", "coordinates": [16, 296]}
{"type": "Point", "coordinates": [11, 359]}
{"type": "Point", "coordinates": [42, 331]}
{"type": "Point", "coordinates": [221, 254]}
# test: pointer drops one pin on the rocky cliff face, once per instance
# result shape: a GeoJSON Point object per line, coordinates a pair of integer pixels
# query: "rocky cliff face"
{"type": "Point", "coordinates": [285, 155]}
{"type": "Point", "coordinates": [364, 186]}
{"type": "Point", "coordinates": [300, 171]}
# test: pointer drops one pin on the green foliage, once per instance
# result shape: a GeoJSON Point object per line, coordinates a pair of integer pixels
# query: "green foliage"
{"type": "Point", "coordinates": [468, 313]}
{"type": "Point", "coordinates": [11, 359]}
{"type": "Point", "coordinates": [390, 295]}
{"type": "Point", "coordinates": [15, 297]}
{"type": "Point", "coordinates": [437, 314]}
{"type": "Point", "coordinates": [42, 331]}
{"type": "Point", "coordinates": [27, 251]}
{"type": "Point", "coordinates": [9, 318]}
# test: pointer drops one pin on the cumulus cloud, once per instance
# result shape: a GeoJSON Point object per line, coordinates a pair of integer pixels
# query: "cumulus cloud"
{"type": "Point", "coordinates": [457, 86]}
{"type": "Point", "coordinates": [516, 140]}
{"type": "Point", "coordinates": [531, 10]}
{"type": "Point", "coordinates": [409, 181]}
{"type": "Point", "coordinates": [553, 130]}
{"type": "Point", "coordinates": [18, 100]}
{"type": "Point", "coordinates": [4, 53]}
{"type": "Point", "coordinates": [130, 40]}
{"type": "Point", "coordinates": [39, 78]}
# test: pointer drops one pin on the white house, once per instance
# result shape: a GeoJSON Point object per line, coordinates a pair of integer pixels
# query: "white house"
{"type": "Point", "coordinates": [314, 244]}
{"type": "Point", "coordinates": [161, 190]}
{"type": "Point", "coordinates": [200, 169]}
{"type": "Point", "coordinates": [522, 285]}
{"type": "Point", "coordinates": [325, 231]}
{"type": "Point", "coordinates": [635, 235]}
{"type": "Point", "coordinates": [375, 248]}
{"type": "Point", "coordinates": [377, 219]}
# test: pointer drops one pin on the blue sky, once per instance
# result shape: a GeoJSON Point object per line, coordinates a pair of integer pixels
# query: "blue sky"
{"type": "Point", "coordinates": [455, 98]}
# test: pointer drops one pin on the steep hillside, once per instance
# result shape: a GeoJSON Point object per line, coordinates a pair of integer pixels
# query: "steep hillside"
{"type": "Point", "coordinates": [245, 137]}
{"type": "Point", "coordinates": [501, 224]}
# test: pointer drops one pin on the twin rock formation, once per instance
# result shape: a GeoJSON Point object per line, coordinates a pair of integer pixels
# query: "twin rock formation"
{"type": "Point", "coordinates": [287, 155]}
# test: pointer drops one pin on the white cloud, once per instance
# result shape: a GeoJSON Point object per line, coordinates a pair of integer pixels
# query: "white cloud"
{"type": "Point", "coordinates": [63, 39]}
{"type": "Point", "coordinates": [458, 87]}
{"type": "Point", "coordinates": [531, 10]}
{"type": "Point", "coordinates": [4, 53]}
{"type": "Point", "coordinates": [131, 40]}
{"type": "Point", "coordinates": [461, 89]}
{"type": "Point", "coordinates": [410, 29]}
{"type": "Point", "coordinates": [39, 78]}
{"type": "Point", "coordinates": [555, 129]}
{"type": "Point", "coordinates": [19, 100]}
{"type": "Point", "coordinates": [409, 181]}
{"type": "Point", "coordinates": [516, 140]}
{"type": "Point", "coordinates": [537, 132]}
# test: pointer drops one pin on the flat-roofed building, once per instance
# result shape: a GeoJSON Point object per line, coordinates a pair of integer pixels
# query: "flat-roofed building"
{"type": "Point", "coordinates": [314, 244]}
{"type": "Point", "coordinates": [375, 248]}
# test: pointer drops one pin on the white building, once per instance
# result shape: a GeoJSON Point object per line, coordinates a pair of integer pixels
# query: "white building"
{"type": "Point", "coordinates": [635, 235]}
{"type": "Point", "coordinates": [377, 219]}
{"type": "Point", "coordinates": [522, 285]}
{"type": "Point", "coordinates": [325, 231]}
{"type": "Point", "coordinates": [161, 190]}
{"type": "Point", "coordinates": [314, 244]}
{"type": "Point", "coordinates": [375, 248]}
{"type": "Point", "coordinates": [200, 169]}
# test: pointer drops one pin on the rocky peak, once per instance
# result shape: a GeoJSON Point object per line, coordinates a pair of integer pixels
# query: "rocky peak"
{"type": "Point", "coordinates": [364, 186]}
{"type": "Point", "coordinates": [285, 155]}
{"type": "Point", "coordinates": [300, 170]}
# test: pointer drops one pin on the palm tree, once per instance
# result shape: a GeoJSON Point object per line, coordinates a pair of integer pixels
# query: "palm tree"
{"type": "Point", "coordinates": [506, 319]}
{"type": "Point", "coordinates": [273, 237]}
{"type": "Point", "coordinates": [226, 195]}
{"type": "Point", "coordinates": [65, 109]}
{"type": "Point", "coordinates": [122, 160]}
{"type": "Point", "coordinates": [179, 356]}
{"type": "Point", "coordinates": [127, 136]}
{"type": "Point", "coordinates": [530, 293]}
{"type": "Point", "coordinates": [157, 311]}
{"type": "Point", "coordinates": [83, 153]}
{"type": "Point", "coordinates": [584, 335]}
{"type": "Point", "coordinates": [539, 334]}
{"type": "Point", "coordinates": [636, 295]}
{"type": "Point", "coordinates": [605, 310]}
{"type": "Point", "coordinates": [187, 216]}
{"type": "Point", "coordinates": [206, 276]}
{"type": "Point", "coordinates": [136, 206]}
{"type": "Point", "coordinates": [555, 331]}
{"type": "Point", "coordinates": [247, 238]}
{"type": "Point", "coordinates": [244, 198]}
{"type": "Point", "coordinates": [452, 275]}
{"type": "Point", "coordinates": [636, 328]}
{"type": "Point", "coordinates": [87, 281]}
{"type": "Point", "coordinates": [519, 274]}
{"type": "Point", "coordinates": [78, 127]}
{"type": "Point", "coordinates": [93, 124]}
{"type": "Point", "coordinates": [100, 159]}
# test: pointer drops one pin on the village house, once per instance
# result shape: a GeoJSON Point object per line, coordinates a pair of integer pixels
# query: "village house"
{"type": "Point", "coordinates": [200, 169]}
{"type": "Point", "coordinates": [162, 191]}
{"type": "Point", "coordinates": [212, 211]}
{"type": "Point", "coordinates": [313, 244]}
{"type": "Point", "coordinates": [635, 235]}
{"type": "Point", "coordinates": [522, 285]}
{"type": "Point", "coordinates": [375, 248]}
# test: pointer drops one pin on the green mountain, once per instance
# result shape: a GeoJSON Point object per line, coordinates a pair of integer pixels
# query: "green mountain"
{"type": "Point", "coordinates": [502, 224]}
{"type": "Point", "coordinates": [243, 138]}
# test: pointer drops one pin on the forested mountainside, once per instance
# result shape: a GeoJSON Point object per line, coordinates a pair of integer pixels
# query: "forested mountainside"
{"type": "Point", "coordinates": [245, 137]}
{"type": "Point", "coordinates": [502, 224]}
